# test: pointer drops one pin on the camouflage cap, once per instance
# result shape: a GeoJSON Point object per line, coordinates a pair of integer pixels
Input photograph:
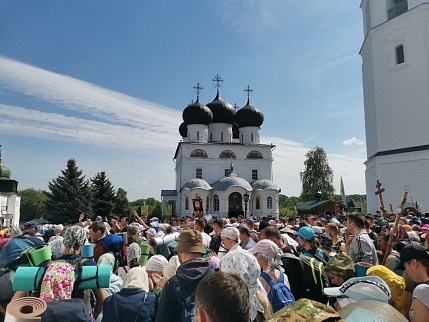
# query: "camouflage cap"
{"type": "Point", "coordinates": [342, 266]}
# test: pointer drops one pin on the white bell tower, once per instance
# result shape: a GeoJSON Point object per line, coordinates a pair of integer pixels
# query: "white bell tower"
{"type": "Point", "coordinates": [395, 74]}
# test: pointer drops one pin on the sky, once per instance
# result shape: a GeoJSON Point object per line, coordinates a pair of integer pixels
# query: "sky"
{"type": "Point", "coordinates": [105, 82]}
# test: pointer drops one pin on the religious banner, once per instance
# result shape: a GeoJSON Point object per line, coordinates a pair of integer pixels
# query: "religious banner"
{"type": "Point", "coordinates": [198, 207]}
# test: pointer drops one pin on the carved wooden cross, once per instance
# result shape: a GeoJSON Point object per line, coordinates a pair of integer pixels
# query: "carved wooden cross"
{"type": "Point", "coordinates": [379, 192]}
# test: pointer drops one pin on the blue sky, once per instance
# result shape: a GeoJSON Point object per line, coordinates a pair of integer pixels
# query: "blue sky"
{"type": "Point", "coordinates": [105, 82]}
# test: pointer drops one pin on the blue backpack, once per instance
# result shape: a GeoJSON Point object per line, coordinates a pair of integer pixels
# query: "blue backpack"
{"type": "Point", "coordinates": [280, 295]}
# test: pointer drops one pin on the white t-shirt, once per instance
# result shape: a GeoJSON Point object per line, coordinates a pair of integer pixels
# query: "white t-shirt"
{"type": "Point", "coordinates": [206, 239]}
{"type": "Point", "coordinates": [421, 292]}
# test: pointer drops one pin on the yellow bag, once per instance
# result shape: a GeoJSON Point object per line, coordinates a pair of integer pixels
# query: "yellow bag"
{"type": "Point", "coordinates": [396, 284]}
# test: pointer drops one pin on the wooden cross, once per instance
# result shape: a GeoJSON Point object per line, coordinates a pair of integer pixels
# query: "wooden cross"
{"type": "Point", "coordinates": [379, 192]}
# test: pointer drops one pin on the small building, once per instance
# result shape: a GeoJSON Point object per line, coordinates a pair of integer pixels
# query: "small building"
{"type": "Point", "coordinates": [9, 200]}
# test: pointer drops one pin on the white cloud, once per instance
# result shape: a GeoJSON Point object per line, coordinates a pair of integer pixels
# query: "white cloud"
{"type": "Point", "coordinates": [354, 141]}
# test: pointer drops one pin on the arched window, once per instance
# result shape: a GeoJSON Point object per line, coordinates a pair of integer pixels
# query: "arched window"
{"type": "Point", "coordinates": [198, 153]}
{"type": "Point", "coordinates": [227, 154]}
{"type": "Point", "coordinates": [211, 137]}
{"type": "Point", "coordinates": [258, 202]}
{"type": "Point", "coordinates": [198, 136]}
{"type": "Point", "coordinates": [254, 155]}
{"type": "Point", "coordinates": [399, 54]}
{"type": "Point", "coordinates": [215, 203]}
{"type": "Point", "coordinates": [269, 203]}
{"type": "Point", "coordinates": [251, 137]}
{"type": "Point", "coordinates": [186, 203]}
{"type": "Point", "coordinates": [221, 137]}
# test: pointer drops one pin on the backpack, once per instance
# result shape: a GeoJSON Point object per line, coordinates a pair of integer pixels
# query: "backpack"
{"type": "Point", "coordinates": [314, 278]}
{"type": "Point", "coordinates": [72, 310]}
{"type": "Point", "coordinates": [115, 243]}
{"type": "Point", "coordinates": [188, 305]}
{"type": "Point", "coordinates": [280, 296]}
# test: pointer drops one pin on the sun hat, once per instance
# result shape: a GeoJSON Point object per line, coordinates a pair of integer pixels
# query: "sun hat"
{"type": "Point", "coordinates": [366, 288]}
{"type": "Point", "coordinates": [412, 251]}
{"type": "Point", "coordinates": [190, 241]}
{"type": "Point", "coordinates": [151, 231]}
{"type": "Point", "coordinates": [288, 230]}
{"type": "Point", "coordinates": [370, 311]}
{"type": "Point", "coordinates": [341, 265]}
{"type": "Point", "coordinates": [231, 233]}
{"type": "Point", "coordinates": [306, 232]}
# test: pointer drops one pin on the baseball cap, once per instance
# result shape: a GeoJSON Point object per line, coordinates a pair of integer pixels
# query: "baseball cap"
{"type": "Point", "coordinates": [366, 288]}
{"type": "Point", "coordinates": [190, 241]}
{"type": "Point", "coordinates": [154, 219]}
{"type": "Point", "coordinates": [412, 251]}
{"type": "Point", "coordinates": [306, 232]}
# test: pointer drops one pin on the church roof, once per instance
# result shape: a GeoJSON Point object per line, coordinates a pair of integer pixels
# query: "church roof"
{"type": "Point", "coordinates": [4, 171]}
{"type": "Point", "coordinates": [249, 116]}
{"type": "Point", "coordinates": [264, 184]}
{"type": "Point", "coordinates": [231, 181]}
{"type": "Point", "coordinates": [197, 113]}
{"type": "Point", "coordinates": [223, 112]}
{"type": "Point", "coordinates": [196, 183]}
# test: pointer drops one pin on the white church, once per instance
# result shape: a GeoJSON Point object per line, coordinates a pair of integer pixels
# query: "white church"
{"type": "Point", "coordinates": [220, 162]}
{"type": "Point", "coordinates": [395, 71]}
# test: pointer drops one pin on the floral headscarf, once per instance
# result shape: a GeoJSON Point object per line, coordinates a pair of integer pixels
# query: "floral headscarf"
{"type": "Point", "coordinates": [245, 265]}
{"type": "Point", "coordinates": [57, 284]}
{"type": "Point", "coordinates": [133, 251]}
{"type": "Point", "coordinates": [57, 246]}
{"type": "Point", "coordinates": [74, 235]}
{"type": "Point", "coordinates": [107, 259]}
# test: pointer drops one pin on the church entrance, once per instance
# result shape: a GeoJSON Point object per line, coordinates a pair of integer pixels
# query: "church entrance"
{"type": "Point", "coordinates": [235, 205]}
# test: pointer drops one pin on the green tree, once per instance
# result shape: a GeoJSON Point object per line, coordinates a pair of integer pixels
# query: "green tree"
{"type": "Point", "coordinates": [121, 204]}
{"type": "Point", "coordinates": [69, 195]}
{"type": "Point", "coordinates": [156, 211]}
{"type": "Point", "coordinates": [317, 175]}
{"type": "Point", "coordinates": [32, 204]}
{"type": "Point", "coordinates": [103, 195]}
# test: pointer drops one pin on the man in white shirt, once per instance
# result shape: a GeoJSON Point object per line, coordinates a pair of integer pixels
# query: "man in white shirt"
{"type": "Point", "coordinates": [199, 226]}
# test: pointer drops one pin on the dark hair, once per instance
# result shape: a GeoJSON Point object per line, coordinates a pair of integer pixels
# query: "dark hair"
{"type": "Point", "coordinates": [199, 223]}
{"type": "Point", "coordinates": [332, 227]}
{"type": "Point", "coordinates": [357, 219]}
{"type": "Point", "coordinates": [243, 229]}
{"type": "Point", "coordinates": [386, 236]}
{"type": "Point", "coordinates": [224, 297]}
{"type": "Point", "coordinates": [218, 223]}
{"type": "Point", "coordinates": [97, 226]}
{"type": "Point", "coordinates": [271, 232]}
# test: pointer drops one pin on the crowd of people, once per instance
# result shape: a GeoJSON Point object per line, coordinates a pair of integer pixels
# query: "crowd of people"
{"type": "Point", "coordinates": [230, 269]}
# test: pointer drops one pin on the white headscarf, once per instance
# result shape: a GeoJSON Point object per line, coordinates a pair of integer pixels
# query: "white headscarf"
{"type": "Point", "coordinates": [156, 263]}
{"type": "Point", "coordinates": [170, 269]}
{"type": "Point", "coordinates": [137, 277]}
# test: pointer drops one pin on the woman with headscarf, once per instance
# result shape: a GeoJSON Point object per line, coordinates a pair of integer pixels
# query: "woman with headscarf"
{"type": "Point", "coordinates": [242, 263]}
{"type": "Point", "coordinates": [134, 302]}
{"type": "Point", "coordinates": [154, 267]}
{"type": "Point", "coordinates": [134, 253]}
{"type": "Point", "coordinates": [269, 257]}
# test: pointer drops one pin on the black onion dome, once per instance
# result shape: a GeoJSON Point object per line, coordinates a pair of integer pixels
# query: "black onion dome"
{"type": "Point", "coordinates": [197, 113]}
{"type": "Point", "coordinates": [183, 129]}
{"type": "Point", "coordinates": [223, 112]}
{"type": "Point", "coordinates": [249, 116]}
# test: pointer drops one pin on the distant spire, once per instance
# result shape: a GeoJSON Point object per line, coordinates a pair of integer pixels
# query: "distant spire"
{"type": "Point", "coordinates": [0, 152]}
{"type": "Point", "coordinates": [198, 88]}
{"type": "Point", "coordinates": [248, 90]}
{"type": "Point", "coordinates": [231, 170]}
{"type": "Point", "coordinates": [217, 81]}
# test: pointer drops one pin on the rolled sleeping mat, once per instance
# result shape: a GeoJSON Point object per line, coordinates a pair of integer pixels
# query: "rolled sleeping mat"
{"type": "Point", "coordinates": [28, 278]}
{"type": "Point", "coordinates": [39, 254]}
{"type": "Point", "coordinates": [159, 241]}
{"type": "Point", "coordinates": [145, 249]}
{"type": "Point", "coordinates": [87, 251]}
{"type": "Point", "coordinates": [25, 309]}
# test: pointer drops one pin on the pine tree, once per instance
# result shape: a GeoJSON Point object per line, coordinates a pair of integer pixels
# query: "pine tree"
{"type": "Point", "coordinates": [69, 195]}
{"type": "Point", "coordinates": [103, 195]}
{"type": "Point", "coordinates": [122, 204]}
{"type": "Point", "coordinates": [317, 175]}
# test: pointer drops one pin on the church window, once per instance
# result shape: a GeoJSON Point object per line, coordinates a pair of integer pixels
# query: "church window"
{"type": "Point", "coordinates": [198, 136]}
{"type": "Point", "coordinates": [211, 137]}
{"type": "Point", "coordinates": [227, 154]}
{"type": "Point", "coordinates": [199, 173]}
{"type": "Point", "coordinates": [227, 172]}
{"type": "Point", "coordinates": [198, 153]}
{"type": "Point", "coordinates": [258, 202]}
{"type": "Point", "coordinates": [254, 174]}
{"type": "Point", "coordinates": [397, 8]}
{"type": "Point", "coordinates": [254, 155]}
{"type": "Point", "coordinates": [221, 136]}
{"type": "Point", "coordinates": [186, 203]}
{"type": "Point", "coordinates": [251, 137]}
{"type": "Point", "coordinates": [216, 203]}
{"type": "Point", "coordinates": [399, 54]}
{"type": "Point", "coordinates": [269, 203]}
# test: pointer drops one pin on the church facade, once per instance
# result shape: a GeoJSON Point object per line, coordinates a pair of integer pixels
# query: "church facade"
{"type": "Point", "coordinates": [395, 70]}
{"type": "Point", "coordinates": [220, 164]}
